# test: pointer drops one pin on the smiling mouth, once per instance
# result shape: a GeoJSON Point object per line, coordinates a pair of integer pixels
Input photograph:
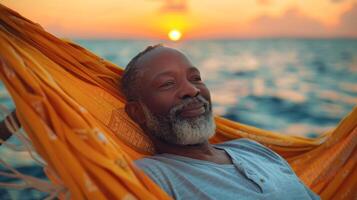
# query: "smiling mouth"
{"type": "Point", "coordinates": [193, 110]}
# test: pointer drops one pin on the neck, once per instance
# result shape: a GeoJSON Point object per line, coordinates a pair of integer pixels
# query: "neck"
{"type": "Point", "coordinates": [198, 151]}
{"type": "Point", "coordinates": [204, 151]}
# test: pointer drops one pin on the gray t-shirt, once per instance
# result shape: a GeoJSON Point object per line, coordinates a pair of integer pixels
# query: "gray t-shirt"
{"type": "Point", "coordinates": [256, 173]}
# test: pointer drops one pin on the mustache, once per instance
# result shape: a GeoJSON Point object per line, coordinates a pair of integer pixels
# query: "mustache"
{"type": "Point", "coordinates": [175, 110]}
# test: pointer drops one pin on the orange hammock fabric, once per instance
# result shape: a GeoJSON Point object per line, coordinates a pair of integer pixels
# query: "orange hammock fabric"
{"type": "Point", "coordinates": [69, 103]}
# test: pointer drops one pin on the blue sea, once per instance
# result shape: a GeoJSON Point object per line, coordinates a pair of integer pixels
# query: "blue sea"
{"type": "Point", "coordinates": [298, 87]}
{"type": "Point", "coordinates": [293, 86]}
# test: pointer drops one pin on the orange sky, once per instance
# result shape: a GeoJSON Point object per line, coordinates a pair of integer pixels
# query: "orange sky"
{"type": "Point", "coordinates": [197, 19]}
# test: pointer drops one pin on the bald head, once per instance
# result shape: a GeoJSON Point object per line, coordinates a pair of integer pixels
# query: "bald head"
{"type": "Point", "coordinates": [153, 56]}
{"type": "Point", "coordinates": [160, 56]}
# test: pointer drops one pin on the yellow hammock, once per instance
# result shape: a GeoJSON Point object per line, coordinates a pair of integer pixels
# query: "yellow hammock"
{"type": "Point", "coordinates": [69, 103]}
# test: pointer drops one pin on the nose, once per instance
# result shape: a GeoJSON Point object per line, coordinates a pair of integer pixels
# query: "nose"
{"type": "Point", "coordinates": [188, 90]}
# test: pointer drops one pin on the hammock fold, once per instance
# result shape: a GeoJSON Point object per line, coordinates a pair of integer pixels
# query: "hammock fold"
{"type": "Point", "coordinates": [69, 102]}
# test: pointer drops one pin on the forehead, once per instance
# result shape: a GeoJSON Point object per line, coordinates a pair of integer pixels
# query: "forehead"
{"type": "Point", "coordinates": [163, 60]}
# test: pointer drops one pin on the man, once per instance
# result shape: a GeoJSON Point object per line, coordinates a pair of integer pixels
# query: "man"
{"type": "Point", "coordinates": [169, 100]}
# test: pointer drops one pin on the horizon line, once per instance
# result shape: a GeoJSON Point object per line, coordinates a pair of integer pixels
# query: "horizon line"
{"type": "Point", "coordinates": [218, 38]}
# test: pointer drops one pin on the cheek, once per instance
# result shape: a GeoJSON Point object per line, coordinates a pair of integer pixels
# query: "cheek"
{"type": "Point", "coordinates": [205, 93]}
{"type": "Point", "coordinates": [160, 103]}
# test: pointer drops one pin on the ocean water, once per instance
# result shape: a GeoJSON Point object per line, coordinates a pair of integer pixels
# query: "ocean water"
{"type": "Point", "coordinates": [298, 87]}
{"type": "Point", "coordinates": [293, 86]}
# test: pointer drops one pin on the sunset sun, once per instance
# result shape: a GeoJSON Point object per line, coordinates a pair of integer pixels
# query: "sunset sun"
{"type": "Point", "coordinates": [175, 35]}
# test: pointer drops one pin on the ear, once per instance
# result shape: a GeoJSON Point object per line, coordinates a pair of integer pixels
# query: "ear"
{"type": "Point", "coordinates": [135, 112]}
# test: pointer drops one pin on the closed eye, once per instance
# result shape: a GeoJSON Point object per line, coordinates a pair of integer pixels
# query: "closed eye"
{"type": "Point", "coordinates": [167, 84]}
{"type": "Point", "coordinates": [197, 78]}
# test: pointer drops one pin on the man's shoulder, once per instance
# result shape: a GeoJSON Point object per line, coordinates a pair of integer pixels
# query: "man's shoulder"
{"type": "Point", "coordinates": [154, 166]}
{"type": "Point", "coordinates": [157, 163]}
{"type": "Point", "coordinates": [243, 143]}
{"type": "Point", "coordinates": [148, 162]}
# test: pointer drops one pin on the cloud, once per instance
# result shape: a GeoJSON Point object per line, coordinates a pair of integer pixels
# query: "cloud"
{"type": "Point", "coordinates": [348, 23]}
{"type": "Point", "coordinates": [264, 2]}
{"type": "Point", "coordinates": [292, 23]}
{"type": "Point", "coordinates": [174, 6]}
{"type": "Point", "coordinates": [336, 1]}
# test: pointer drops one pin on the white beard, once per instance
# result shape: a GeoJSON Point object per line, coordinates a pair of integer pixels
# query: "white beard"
{"type": "Point", "coordinates": [181, 131]}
